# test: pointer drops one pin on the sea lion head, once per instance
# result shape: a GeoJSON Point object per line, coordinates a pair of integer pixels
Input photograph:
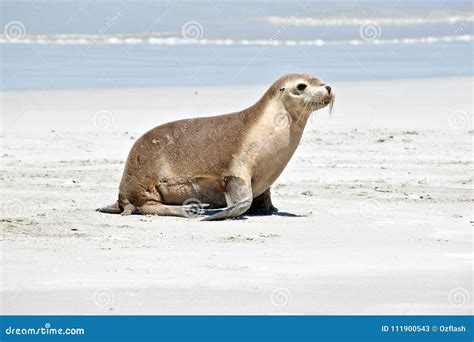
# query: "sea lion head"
{"type": "Point", "coordinates": [302, 93]}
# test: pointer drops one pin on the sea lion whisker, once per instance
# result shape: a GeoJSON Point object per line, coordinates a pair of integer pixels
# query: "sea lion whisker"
{"type": "Point", "coordinates": [301, 113]}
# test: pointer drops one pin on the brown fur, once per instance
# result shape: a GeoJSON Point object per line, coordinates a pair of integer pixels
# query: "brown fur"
{"type": "Point", "coordinates": [196, 158]}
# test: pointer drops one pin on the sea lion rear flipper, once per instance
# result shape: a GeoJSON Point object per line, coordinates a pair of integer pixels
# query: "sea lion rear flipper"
{"type": "Point", "coordinates": [238, 195]}
{"type": "Point", "coordinates": [111, 209]}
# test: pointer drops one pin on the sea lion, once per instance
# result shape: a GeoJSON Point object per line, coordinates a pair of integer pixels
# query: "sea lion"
{"type": "Point", "coordinates": [223, 165]}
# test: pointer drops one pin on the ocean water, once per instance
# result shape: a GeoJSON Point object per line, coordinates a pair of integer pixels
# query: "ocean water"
{"type": "Point", "coordinates": [49, 44]}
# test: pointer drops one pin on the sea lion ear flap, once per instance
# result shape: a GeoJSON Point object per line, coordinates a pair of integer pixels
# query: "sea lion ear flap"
{"type": "Point", "coordinates": [281, 92]}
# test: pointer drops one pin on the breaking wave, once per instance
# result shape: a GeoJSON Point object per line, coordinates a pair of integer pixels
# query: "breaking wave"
{"type": "Point", "coordinates": [311, 21]}
{"type": "Point", "coordinates": [159, 39]}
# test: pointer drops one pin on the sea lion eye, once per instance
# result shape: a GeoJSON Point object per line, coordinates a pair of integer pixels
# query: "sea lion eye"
{"type": "Point", "coordinates": [301, 86]}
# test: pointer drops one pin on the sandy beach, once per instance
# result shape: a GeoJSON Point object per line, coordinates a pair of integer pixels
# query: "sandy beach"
{"type": "Point", "coordinates": [375, 208]}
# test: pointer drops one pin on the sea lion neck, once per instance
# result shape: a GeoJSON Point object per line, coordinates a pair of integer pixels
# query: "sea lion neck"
{"type": "Point", "coordinates": [253, 113]}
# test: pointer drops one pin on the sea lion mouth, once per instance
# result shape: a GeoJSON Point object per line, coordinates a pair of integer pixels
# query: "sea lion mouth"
{"type": "Point", "coordinates": [323, 100]}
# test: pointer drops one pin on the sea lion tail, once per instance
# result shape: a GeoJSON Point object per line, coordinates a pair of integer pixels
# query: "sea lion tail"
{"type": "Point", "coordinates": [111, 209]}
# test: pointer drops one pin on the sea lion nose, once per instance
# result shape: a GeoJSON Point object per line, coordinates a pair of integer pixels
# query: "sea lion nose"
{"type": "Point", "coordinates": [328, 88]}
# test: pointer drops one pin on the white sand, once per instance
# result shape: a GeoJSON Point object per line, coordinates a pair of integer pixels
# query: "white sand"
{"type": "Point", "coordinates": [383, 191]}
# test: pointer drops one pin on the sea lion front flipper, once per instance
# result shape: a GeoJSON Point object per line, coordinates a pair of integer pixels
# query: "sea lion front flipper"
{"type": "Point", "coordinates": [154, 208]}
{"type": "Point", "coordinates": [238, 194]}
